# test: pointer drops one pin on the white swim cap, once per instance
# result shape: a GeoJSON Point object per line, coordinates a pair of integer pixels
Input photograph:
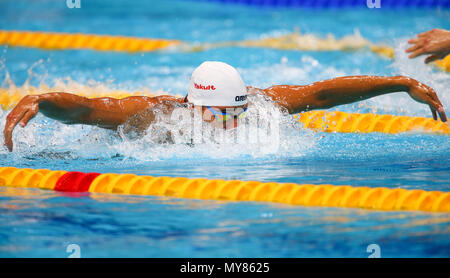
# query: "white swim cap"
{"type": "Point", "coordinates": [216, 84]}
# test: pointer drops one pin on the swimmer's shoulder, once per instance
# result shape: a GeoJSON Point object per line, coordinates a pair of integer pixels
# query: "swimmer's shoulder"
{"type": "Point", "coordinates": [255, 91]}
{"type": "Point", "coordinates": [164, 102]}
{"type": "Point", "coordinates": [152, 101]}
{"type": "Point", "coordinates": [165, 98]}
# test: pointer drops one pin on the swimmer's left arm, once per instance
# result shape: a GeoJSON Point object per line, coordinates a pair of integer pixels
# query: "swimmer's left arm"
{"type": "Point", "coordinates": [343, 90]}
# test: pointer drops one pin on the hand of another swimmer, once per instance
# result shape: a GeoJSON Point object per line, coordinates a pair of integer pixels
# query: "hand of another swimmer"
{"type": "Point", "coordinates": [24, 111]}
{"type": "Point", "coordinates": [424, 94]}
{"type": "Point", "coordinates": [435, 43]}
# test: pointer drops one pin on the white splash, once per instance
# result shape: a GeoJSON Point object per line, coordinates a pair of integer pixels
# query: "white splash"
{"type": "Point", "coordinates": [43, 135]}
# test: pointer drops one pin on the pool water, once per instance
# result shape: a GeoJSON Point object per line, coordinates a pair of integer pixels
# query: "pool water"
{"type": "Point", "coordinates": [39, 223]}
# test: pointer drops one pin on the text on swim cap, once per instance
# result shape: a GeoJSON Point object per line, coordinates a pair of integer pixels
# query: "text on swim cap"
{"type": "Point", "coordinates": [240, 98]}
{"type": "Point", "coordinates": [202, 87]}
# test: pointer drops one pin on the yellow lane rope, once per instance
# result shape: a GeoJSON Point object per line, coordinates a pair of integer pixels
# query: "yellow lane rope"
{"type": "Point", "coordinates": [292, 41]}
{"type": "Point", "coordinates": [9, 97]}
{"type": "Point", "coordinates": [379, 198]}
{"type": "Point", "coordinates": [306, 42]}
{"type": "Point", "coordinates": [337, 121]}
{"type": "Point", "coordinates": [50, 40]}
{"type": "Point", "coordinates": [444, 64]}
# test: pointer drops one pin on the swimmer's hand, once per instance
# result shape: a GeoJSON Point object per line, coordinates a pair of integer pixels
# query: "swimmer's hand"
{"type": "Point", "coordinates": [24, 111]}
{"type": "Point", "coordinates": [435, 43]}
{"type": "Point", "coordinates": [424, 94]}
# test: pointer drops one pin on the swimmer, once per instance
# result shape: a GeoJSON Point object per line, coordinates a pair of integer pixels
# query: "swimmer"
{"type": "Point", "coordinates": [217, 91]}
{"type": "Point", "coordinates": [435, 43]}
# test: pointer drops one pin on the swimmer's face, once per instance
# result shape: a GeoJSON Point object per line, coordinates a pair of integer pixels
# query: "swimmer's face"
{"type": "Point", "coordinates": [223, 116]}
{"type": "Point", "coordinates": [226, 117]}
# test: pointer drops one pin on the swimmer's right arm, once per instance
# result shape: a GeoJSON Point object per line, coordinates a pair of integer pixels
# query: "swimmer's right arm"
{"type": "Point", "coordinates": [73, 109]}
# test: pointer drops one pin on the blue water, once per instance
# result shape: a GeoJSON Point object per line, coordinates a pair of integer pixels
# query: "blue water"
{"type": "Point", "coordinates": [38, 223]}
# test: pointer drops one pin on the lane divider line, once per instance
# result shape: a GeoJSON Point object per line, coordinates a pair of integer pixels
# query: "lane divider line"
{"type": "Point", "coordinates": [323, 195]}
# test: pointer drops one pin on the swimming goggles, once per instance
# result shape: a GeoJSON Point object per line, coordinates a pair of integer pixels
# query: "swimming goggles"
{"type": "Point", "coordinates": [224, 116]}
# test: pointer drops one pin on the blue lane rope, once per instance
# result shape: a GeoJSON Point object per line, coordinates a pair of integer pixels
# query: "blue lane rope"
{"type": "Point", "coordinates": [340, 3]}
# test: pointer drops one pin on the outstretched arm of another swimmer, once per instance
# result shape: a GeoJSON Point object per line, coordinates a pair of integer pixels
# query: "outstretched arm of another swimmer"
{"type": "Point", "coordinates": [73, 109]}
{"type": "Point", "coordinates": [343, 90]}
